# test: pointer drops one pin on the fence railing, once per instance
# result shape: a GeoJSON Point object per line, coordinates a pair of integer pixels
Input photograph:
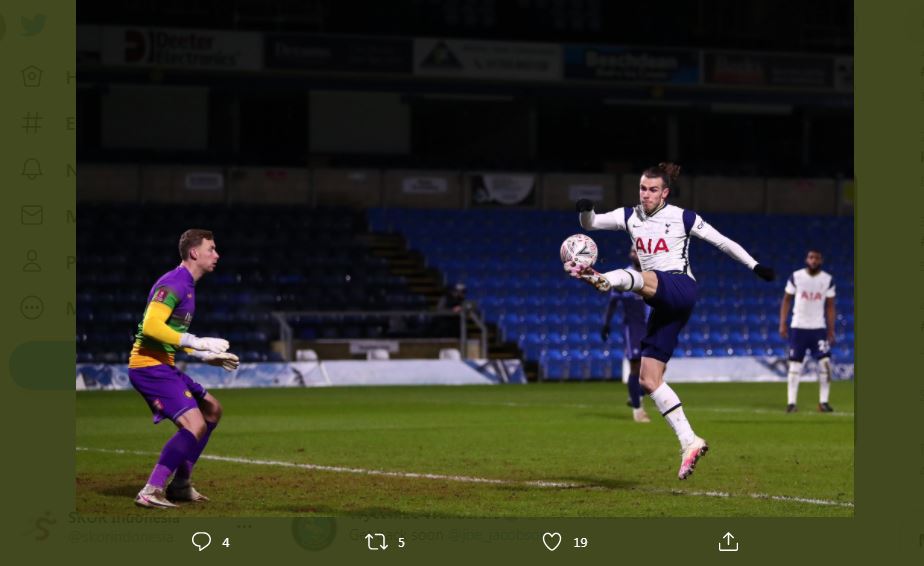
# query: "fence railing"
{"type": "Point", "coordinates": [409, 324]}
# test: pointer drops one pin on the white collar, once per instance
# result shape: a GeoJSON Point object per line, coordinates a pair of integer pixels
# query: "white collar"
{"type": "Point", "coordinates": [640, 211]}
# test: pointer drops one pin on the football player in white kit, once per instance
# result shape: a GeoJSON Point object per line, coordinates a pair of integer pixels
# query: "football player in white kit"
{"type": "Point", "coordinates": [661, 233]}
{"type": "Point", "coordinates": [812, 291]}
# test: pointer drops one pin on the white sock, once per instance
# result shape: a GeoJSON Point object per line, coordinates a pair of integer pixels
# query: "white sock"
{"type": "Point", "coordinates": [625, 279]}
{"type": "Point", "coordinates": [795, 373]}
{"type": "Point", "coordinates": [668, 403]}
{"type": "Point", "coordinates": [824, 379]}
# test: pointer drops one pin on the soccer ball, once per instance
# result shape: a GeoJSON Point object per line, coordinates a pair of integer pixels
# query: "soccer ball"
{"type": "Point", "coordinates": [579, 248]}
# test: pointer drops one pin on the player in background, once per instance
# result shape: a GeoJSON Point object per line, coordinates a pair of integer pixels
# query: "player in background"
{"type": "Point", "coordinates": [661, 235]}
{"type": "Point", "coordinates": [170, 393]}
{"type": "Point", "coordinates": [635, 315]}
{"type": "Point", "coordinates": [812, 291]}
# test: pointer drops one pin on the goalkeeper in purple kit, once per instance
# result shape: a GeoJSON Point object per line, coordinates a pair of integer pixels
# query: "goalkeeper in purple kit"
{"type": "Point", "coordinates": [170, 393]}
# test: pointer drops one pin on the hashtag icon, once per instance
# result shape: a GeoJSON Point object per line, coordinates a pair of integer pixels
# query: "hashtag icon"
{"type": "Point", "coordinates": [31, 122]}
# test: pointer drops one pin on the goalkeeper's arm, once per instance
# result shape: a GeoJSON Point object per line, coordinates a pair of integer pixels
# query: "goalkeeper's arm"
{"type": "Point", "coordinates": [155, 326]}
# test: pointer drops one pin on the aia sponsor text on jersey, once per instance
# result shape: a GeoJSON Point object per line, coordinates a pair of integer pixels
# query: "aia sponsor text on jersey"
{"type": "Point", "coordinates": [660, 246]}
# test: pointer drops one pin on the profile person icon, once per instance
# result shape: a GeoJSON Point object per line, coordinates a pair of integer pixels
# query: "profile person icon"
{"type": "Point", "coordinates": [31, 265]}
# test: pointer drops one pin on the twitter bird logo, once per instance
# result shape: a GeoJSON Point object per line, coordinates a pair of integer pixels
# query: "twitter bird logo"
{"type": "Point", "coordinates": [33, 26]}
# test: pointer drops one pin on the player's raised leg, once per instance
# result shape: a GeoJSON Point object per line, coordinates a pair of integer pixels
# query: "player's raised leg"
{"type": "Point", "coordinates": [645, 283]}
{"type": "Point", "coordinates": [626, 279]}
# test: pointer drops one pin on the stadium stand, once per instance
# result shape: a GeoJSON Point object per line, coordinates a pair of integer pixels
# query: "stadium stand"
{"type": "Point", "coordinates": [272, 258]}
{"type": "Point", "coordinates": [298, 258]}
{"type": "Point", "coordinates": [508, 261]}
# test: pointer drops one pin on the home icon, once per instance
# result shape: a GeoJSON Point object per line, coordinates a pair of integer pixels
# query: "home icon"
{"type": "Point", "coordinates": [31, 76]}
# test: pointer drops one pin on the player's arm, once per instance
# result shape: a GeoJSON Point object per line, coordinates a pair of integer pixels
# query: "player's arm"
{"type": "Point", "coordinates": [830, 312]}
{"type": "Point", "coordinates": [590, 220]}
{"type": "Point", "coordinates": [155, 326]}
{"type": "Point", "coordinates": [789, 293]}
{"type": "Point", "coordinates": [785, 308]}
{"type": "Point", "coordinates": [703, 230]}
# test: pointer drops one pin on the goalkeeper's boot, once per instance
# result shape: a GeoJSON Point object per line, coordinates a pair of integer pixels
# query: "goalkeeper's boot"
{"type": "Point", "coordinates": [152, 497]}
{"type": "Point", "coordinates": [791, 408]}
{"type": "Point", "coordinates": [690, 455]}
{"type": "Point", "coordinates": [825, 408]}
{"type": "Point", "coordinates": [640, 416]}
{"type": "Point", "coordinates": [182, 490]}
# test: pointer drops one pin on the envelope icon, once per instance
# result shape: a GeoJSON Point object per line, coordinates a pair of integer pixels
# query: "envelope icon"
{"type": "Point", "coordinates": [32, 214]}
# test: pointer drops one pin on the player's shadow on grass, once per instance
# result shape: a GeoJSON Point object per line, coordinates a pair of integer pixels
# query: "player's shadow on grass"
{"type": "Point", "coordinates": [129, 490]}
{"type": "Point", "coordinates": [782, 421]}
{"type": "Point", "coordinates": [604, 483]}
{"type": "Point", "coordinates": [614, 416]}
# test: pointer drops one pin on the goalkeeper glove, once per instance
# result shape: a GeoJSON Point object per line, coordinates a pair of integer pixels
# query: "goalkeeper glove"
{"type": "Point", "coordinates": [584, 205]}
{"type": "Point", "coordinates": [764, 272]}
{"type": "Point", "coordinates": [214, 345]}
{"type": "Point", "coordinates": [227, 361]}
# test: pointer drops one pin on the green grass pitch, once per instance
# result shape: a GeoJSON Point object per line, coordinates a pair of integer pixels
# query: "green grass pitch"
{"type": "Point", "coordinates": [487, 449]}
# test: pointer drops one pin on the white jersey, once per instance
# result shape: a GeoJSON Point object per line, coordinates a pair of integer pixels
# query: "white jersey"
{"type": "Point", "coordinates": [662, 240]}
{"type": "Point", "coordinates": [810, 291]}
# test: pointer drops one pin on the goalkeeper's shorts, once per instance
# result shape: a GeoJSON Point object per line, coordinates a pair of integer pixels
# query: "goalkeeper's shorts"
{"type": "Point", "coordinates": [168, 391]}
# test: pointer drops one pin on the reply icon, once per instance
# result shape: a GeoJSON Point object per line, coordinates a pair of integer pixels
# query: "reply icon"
{"type": "Point", "coordinates": [201, 540]}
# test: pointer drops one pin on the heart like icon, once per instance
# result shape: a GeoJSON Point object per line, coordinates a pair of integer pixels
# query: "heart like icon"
{"type": "Point", "coordinates": [551, 541]}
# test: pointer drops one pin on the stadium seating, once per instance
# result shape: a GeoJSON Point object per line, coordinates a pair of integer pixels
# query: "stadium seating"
{"type": "Point", "coordinates": [290, 258]}
{"type": "Point", "coordinates": [271, 258]}
{"type": "Point", "coordinates": [508, 260]}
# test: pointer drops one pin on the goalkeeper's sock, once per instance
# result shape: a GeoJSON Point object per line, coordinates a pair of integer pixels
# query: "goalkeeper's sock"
{"type": "Point", "coordinates": [635, 391]}
{"type": "Point", "coordinates": [175, 451]}
{"type": "Point", "coordinates": [184, 470]}
{"type": "Point", "coordinates": [668, 403]}
{"type": "Point", "coordinates": [625, 279]}
{"type": "Point", "coordinates": [795, 373]}
{"type": "Point", "coordinates": [824, 380]}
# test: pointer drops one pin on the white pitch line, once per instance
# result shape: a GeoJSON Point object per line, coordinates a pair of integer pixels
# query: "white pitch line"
{"type": "Point", "coordinates": [347, 470]}
{"type": "Point", "coordinates": [471, 479]}
{"type": "Point", "coordinates": [693, 409]}
{"type": "Point", "coordinates": [724, 494]}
